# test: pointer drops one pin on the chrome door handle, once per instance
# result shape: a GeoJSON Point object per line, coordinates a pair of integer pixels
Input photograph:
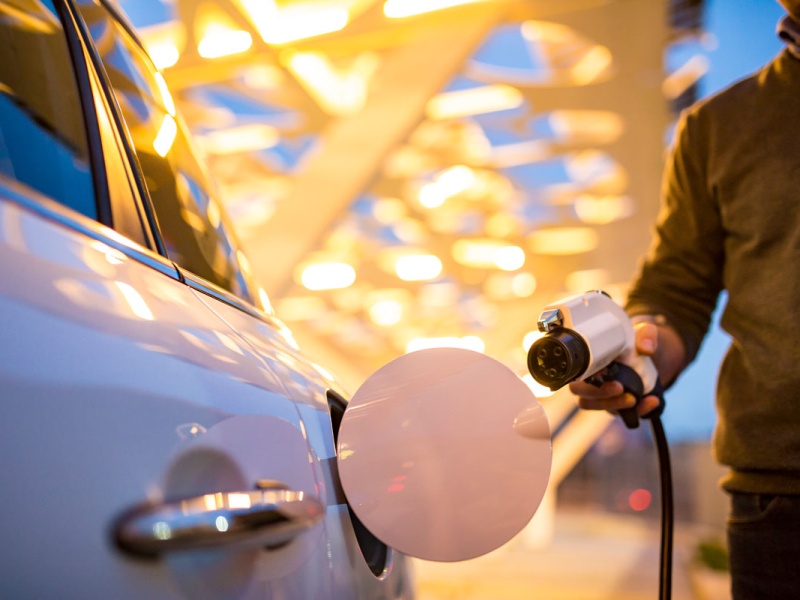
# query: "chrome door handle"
{"type": "Point", "coordinates": [265, 517]}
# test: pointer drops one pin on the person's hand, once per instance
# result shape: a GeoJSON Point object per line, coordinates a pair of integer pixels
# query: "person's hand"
{"type": "Point", "coordinates": [610, 396]}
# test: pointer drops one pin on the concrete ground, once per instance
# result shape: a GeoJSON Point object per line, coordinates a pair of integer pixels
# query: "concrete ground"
{"type": "Point", "coordinates": [590, 556]}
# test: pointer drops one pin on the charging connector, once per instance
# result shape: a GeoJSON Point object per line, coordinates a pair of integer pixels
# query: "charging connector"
{"type": "Point", "coordinates": [589, 337]}
{"type": "Point", "coordinates": [558, 358]}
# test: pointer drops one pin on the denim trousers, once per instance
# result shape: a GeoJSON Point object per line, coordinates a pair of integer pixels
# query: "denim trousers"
{"type": "Point", "coordinates": [764, 546]}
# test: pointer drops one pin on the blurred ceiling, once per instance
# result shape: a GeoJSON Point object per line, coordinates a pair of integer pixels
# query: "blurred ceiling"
{"type": "Point", "coordinates": [405, 173]}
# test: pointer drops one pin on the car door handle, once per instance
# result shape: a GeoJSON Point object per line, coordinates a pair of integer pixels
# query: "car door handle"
{"type": "Point", "coordinates": [268, 518]}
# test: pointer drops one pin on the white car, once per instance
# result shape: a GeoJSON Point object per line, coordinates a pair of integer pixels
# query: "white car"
{"type": "Point", "coordinates": [161, 436]}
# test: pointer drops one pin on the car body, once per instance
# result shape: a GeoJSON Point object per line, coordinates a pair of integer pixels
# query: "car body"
{"type": "Point", "coordinates": [161, 434]}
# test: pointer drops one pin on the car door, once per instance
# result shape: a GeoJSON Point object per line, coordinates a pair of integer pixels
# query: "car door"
{"type": "Point", "coordinates": [125, 398]}
{"type": "Point", "coordinates": [199, 240]}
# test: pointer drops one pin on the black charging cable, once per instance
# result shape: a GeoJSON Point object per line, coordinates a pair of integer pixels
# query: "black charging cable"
{"type": "Point", "coordinates": [632, 384]}
{"type": "Point", "coordinates": [667, 508]}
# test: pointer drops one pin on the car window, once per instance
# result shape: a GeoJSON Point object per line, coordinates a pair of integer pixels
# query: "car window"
{"type": "Point", "coordinates": [42, 135]}
{"type": "Point", "coordinates": [194, 228]}
{"type": "Point", "coordinates": [123, 195]}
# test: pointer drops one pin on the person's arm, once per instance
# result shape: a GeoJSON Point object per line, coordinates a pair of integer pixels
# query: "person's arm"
{"type": "Point", "coordinates": [681, 276]}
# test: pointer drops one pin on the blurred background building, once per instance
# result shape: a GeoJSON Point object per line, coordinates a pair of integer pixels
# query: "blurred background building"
{"type": "Point", "coordinates": [412, 173]}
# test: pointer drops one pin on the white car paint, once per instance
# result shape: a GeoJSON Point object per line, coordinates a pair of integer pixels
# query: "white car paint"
{"type": "Point", "coordinates": [120, 384]}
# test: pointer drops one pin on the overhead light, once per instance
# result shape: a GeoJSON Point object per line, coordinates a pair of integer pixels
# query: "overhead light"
{"type": "Point", "coordinates": [218, 34]}
{"type": "Point", "coordinates": [474, 101]}
{"type": "Point", "coordinates": [523, 284]}
{"type": "Point", "coordinates": [218, 41]}
{"type": "Point", "coordinates": [398, 9]}
{"type": "Point", "coordinates": [447, 184]}
{"type": "Point", "coordinates": [386, 312]}
{"type": "Point", "coordinates": [235, 140]}
{"type": "Point", "coordinates": [386, 306]}
{"type": "Point", "coordinates": [327, 276]}
{"type": "Point", "coordinates": [563, 240]}
{"type": "Point", "coordinates": [418, 267]}
{"type": "Point", "coordinates": [488, 254]}
{"type": "Point", "coordinates": [301, 20]}
{"type": "Point", "coordinates": [509, 258]}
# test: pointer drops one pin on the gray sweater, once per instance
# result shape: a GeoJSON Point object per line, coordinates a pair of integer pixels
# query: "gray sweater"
{"type": "Point", "coordinates": [731, 220]}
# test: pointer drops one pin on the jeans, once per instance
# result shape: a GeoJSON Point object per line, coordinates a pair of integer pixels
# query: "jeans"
{"type": "Point", "coordinates": [764, 546]}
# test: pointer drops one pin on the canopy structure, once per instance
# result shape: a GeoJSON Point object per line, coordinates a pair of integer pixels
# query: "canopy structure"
{"type": "Point", "coordinates": [406, 174]}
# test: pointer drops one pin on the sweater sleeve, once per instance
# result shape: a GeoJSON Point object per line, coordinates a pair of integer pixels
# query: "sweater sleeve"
{"type": "Point", "coordinates": [682, 275]}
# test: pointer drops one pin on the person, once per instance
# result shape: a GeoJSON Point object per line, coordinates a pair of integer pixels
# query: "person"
{"type": "Point", "coordinates": [730, 220]}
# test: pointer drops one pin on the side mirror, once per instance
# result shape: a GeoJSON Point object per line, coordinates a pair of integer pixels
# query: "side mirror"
{"type": "Point", "coordinates": [444, 454]}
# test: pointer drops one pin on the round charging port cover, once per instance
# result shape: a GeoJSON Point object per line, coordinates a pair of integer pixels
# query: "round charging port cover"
{"type": "Point", "coordinates": [444, 454]}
